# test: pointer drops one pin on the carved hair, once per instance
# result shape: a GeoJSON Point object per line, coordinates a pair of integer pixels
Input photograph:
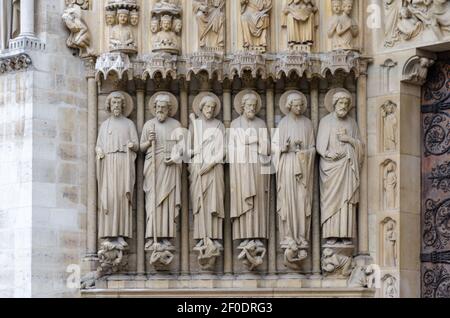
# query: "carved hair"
{"type": "Point", "coordinates": [205, 100]}
{"type": "Point", "coordinates": [164, 98]}
{"type": "Point", "coordinates": [338, 96]}
{"type": "Point", "coordinates": [113, 96]}
{"type": "Point", "coordinates": [293, 97]}
{"type": "Point", "coordinates": [248, 97]}
{"type": "Point", "coordinates": [166, 18]}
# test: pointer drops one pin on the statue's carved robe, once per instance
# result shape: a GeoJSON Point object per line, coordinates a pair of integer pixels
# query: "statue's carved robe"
{"type": "Point", "coordinates": [390, 132]}
{"type": "Point", "coordinates": [392, 14]}
{"type": "Point", "coordinates": [208, 190]}
{"type": "Point", "coordinates": [122, 37]}
{"type": "Point", "coordinates": [168, 179]}
{"type": "Point", "coordinates": [295, 177]}
{"type": "Point", "coordinates": [249, 206]}
{"type": "Point", "coordinates": [211, 25]}
{"type": "Point", "coordinates": [255, 21]}
{"type": "Point", "coordinates": [348, 29]}
{"type": "Point", "coordinates": [339, 180]}
{"type": "Point", "coordinates": [300, 23]}
{"type": "Point", "coordinates": [116, 177]}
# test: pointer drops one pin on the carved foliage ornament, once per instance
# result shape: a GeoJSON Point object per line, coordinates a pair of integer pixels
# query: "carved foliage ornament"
{"type": "Point", "coordinates": [15, 63]}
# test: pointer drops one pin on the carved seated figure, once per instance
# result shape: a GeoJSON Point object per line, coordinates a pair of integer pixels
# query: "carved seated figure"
{"type": "Point", "coordinates": [166, 39]}
{"type": "Point", "coordinates": [79, 34]}
{"type": "Point", "coordinates": [122, 38]}
{"type": "Point", "coordinates": [253, 253]}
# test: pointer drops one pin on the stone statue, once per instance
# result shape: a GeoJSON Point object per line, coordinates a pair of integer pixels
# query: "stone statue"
{"type": "Point", "coordinates": [294, 253]}
{"type": "Point", "coordinates": [207, 176]}
{"type": "Point", "coordinates": [252, 254]}
{"type": "Point", "coordinates": [390, 244]}
{"type": "Point", "coordinates": [342, 155]}
{"type": "Point", "coordinates": [417, 72]}
{"type": "Point", "coordinates": [122, 38]}
{"type": "Point", "coordinates": [160, 142]}
{"type": "Point", "coordinates": [166, 39]}
{"type": "Point", "coordinates": [392, 14]}
{"type": "Point", "coordinates": [110, 18]}
{"type": "Point", "coordinates": [409, 26]}
{"type": "Point", "coordinates": [390, 126]}
{"type": "Point", "coordinates": [80, 37]}
{"type": "Point", "coordinates": [336, 264]}
{"type": "Point", "coordinates": [294, 152]}
{"type": "Point", "coordinates": [390, 287]}
{"type": "Point", "coordinates": [343, 28]}
{"type": "Point", "coordinates": [134, 18]}
{"type": "Point", "coordinates": [5, 27]}
{"type": "Point", "coordinates": [116, 153]}
{"type": "Point", "coordinates": [299, 19]}
{"type": "Point", "coordinates": [210, 16]}
{"type": "Point", "coordinates": [390, 186]}
{"type": "Point", "coordinates": [255, 20]}
{"type": "Point", "coordinates": [249, 148]}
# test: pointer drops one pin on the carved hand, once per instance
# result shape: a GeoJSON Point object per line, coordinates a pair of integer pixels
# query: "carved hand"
{"type": "Point", "coordinates": [100, 154]}
{"type": "Point", "coordinates": [336, 155]}
{"type": "Point", "coordinates": [130, 145]}
{"type": "Point", "coordinates": [152, 137]}
{"type": "Point", "coordinates": [169, 162]}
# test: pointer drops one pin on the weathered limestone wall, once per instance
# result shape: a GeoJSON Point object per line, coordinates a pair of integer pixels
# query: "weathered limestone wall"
{"type": "Point", "coordinates": [43, 133]}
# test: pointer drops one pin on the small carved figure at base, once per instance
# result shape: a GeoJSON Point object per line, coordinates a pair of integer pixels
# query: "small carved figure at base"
{"type": "Point", "coordinates": [253, 253]}
{"type": "Point", "coordinates": [363, 276]}
{"type": "Point", "coordinates": [88, 280]}
{"type": "Point", "coordinates": [112, 256]}
{"type": "Point", "coordinates": [208, 252]}
{"type": "Point", "coordinates": [162, 255]}
{"type": "Point", "coordinates": [335, 264]}
{"type": "Point", "coordinates": [294, 253]}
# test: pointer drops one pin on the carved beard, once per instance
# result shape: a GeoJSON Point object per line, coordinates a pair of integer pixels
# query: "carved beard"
{"type": "Point", "coordinates": [161, 117]}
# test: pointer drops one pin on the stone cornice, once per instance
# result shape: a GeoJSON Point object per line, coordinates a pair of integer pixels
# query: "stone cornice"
{"type": "Point", "coordinates": [224, 67]}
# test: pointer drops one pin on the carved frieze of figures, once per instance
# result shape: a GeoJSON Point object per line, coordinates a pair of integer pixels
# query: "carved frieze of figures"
{"type": "Point", "coordinates": [389, 243]}
{"type": "Point", "coordinates": [161, 142]}
{"type": "Point", "coordinates": [122, 16]}
{"type": "Point", "coordinates": [390, 289]}
{"type": "Point", "coordinates": [390, 185]}
{"type": "Point", "coordinates": [300, 20]}
{"type": "Point", "coordinates": [255, 20]}
{"type": "Point", "coordinates": [342, 154]}
{"type": "Point", "coordinates": [116, 150]}
{"type": "Point", "coordinates": [406, 19]}
{"type": "Point", "coordinates": [293, 148]}
{"type": "Point", "coordinates": [207, 178]}
{"type": "Point", "coordinates": [249, 149]}
{"type": "Point", "coordinates": [343, 28]}
{"type": "Point", "coordinates": [166, 26]}
{"type": "Point", "coordinates": [80, 37]}
{"type": "Point", "coordinates": [210, 16]}
{"type": "Point", "coordinates": [389, 123]}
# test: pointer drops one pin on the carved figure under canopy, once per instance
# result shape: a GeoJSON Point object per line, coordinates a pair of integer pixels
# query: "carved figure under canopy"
{"type": "Point", "coordinates": [299, 19]}
{"type": "Point", "coordinates": [255, 18]}
{"type": "Point", "coordinates": [210, 15]}
{"type": "Point", "coordinates": [122, 38]}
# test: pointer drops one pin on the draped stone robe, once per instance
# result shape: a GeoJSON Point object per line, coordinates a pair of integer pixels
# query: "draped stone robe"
{"type": "Point", "coordinates": [339, 180]}
{"type": "Point", "coordinates": [295, 177]}
{"type": "Point", "coordinates": [255, 20]}
{"type": "Point", "coordinates": [208, 190]}
{"type": "Point", "coordinates": [300, 23]}
{"type": "Point", "coordinates": [168, 179]}
{"type": "Point", "coordinates": [116, 177]}
{"type": "Point", "coordinates": [121, 36]}
{"type": "Point", "coordinates": [211, 25]}
{"type": "Point", "coordinates": [249, 206]}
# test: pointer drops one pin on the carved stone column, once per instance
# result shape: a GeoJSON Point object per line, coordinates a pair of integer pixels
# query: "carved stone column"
{"type": "Point", "coordinates": [184, 118]}
{"type": "Point", "coordinates": [316, 246]}
{"type": "Point", "coordinates": [363, 220]}
{"type": "Point", "coordinates": [27, 18]}
{"type": "Point", "coordinates": [270, 118]}
{"type": "Point", "coordinates": [91, 154]}
{"type": "Point", "coordinates": [140, 92]}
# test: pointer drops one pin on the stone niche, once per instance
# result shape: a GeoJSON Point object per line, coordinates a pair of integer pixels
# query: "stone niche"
{"type": "Point", "coordinates": [157, 254]}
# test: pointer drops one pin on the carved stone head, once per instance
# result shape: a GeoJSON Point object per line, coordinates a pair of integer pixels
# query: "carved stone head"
{"type": "Point", "coordinates": [154, 25]}
{"type": "Point", "coordinates": [250, 106]}
{"type": "Point", "coordinates": [166, 23]}
{"type": "Point", "coordinates": [110, 17]}
{"type": "Point", "coordinates": [177, 26]}
{"type": "Point", "coordinates": [336, 6]}
{"type": "Point", "coordinates": [134, 18]}
{"type": "Point", "coordinates": [347, 6]}
{"type": "Point", "coordinates": [117, 103]}
{"type": "Point", "coordinates": [296, 104]}
{"type": "Point", "coordinates": [122, 16]}
{"type": "Point", "coordinates": [208, 107]}
{"type": "Point", "coordinates": [162, 107]}
{"type": "Point", "coordinates": [342, 103]}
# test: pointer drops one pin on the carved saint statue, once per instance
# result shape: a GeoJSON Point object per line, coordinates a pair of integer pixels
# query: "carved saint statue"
{"type": "Point", "coordinates": [294, 152]}
{"type": "Point", "coordinates": [166, 38]}
{"type": "Point", "coordinates": [255, 20]}
{"type": "Point", "coordinates": [390, 244]}
{"type": "Point", "coordinates": [210, 16]}
{"type": "Point", "coordinates": [342, 155]}
{"type": "Point", "coordinates": [207, 176]}
{"type": "Point", "coordinates": [122, 38]}
{"type": "Point", "coordinates": [116, 153]}
{"type": "Point", "coordinates": [161, 143]}
{"type": "Point", "coordinates": [299, 19]}
{"type": "Point", "coordinates": [249, 147]}
{"type": "Point", "coordinates": [79, 34]}
{"type": "Point", "coordinates": [390, 186]}
{"type": "Point", "coordinates": [343, 28]}
{"type": "Point", "coordinates": [390, 126]}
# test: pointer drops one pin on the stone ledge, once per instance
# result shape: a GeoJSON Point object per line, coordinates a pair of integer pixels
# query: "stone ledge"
{"type": "Point", "coordinates": [232, 293]}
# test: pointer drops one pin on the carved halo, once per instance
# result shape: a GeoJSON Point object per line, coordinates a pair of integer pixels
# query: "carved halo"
{"type": "Point", "coordinates": [240, 96]}
{"type": "Point", "coordinates": [173, 101]}
{"type": "Point", "coordinates": [129, 103]}
{"type": "Point", "coordinates": [284, 97]}
{"type": "Point", "coordinates": [198, 99]}
{"type": "Point", "coordinates": [330, 95]}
